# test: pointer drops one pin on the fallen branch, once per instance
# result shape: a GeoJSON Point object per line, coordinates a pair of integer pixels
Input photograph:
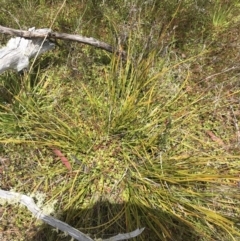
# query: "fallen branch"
{"type": "Point", "coordinates": [16, 54]}
{"type": "Point", "coordinates": [36, 211]}
{"type": "Point", "coordinates": [64, 36]}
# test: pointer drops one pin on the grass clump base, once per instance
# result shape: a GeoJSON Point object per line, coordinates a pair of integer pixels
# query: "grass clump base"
{"type": "Point", "coordinates": [146, 138]}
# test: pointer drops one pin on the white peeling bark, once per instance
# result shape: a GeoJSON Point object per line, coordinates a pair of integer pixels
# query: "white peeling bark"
{"type": "Point", "coordinates": [14, 197]}
{"type": "Point", "coordinates": [18, 51]}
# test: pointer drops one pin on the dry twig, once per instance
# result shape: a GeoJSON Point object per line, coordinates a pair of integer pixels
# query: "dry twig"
{"type": "Point", "coordinates": [63, 36]}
